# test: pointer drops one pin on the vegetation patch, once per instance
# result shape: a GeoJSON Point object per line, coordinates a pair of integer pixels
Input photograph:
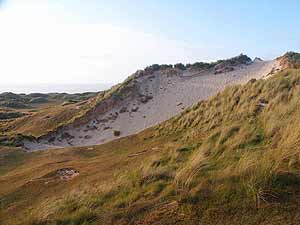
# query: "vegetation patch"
{"type": "Point", "coordinates": [10, 115]}
{"type": "Point", "coordinates": [117, 133]}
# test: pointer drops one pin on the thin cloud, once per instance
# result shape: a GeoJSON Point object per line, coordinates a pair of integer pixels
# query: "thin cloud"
{"type": "Point", "coordinates": [43, 50]}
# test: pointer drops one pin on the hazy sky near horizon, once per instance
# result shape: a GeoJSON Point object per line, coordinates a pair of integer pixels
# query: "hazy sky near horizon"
{"type": "Point", "coordinates": [73, 41]}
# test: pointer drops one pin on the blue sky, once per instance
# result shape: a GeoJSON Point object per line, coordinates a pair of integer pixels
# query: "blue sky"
{"type": "Point", "coordinates": [55, 41]}
{"type": "Point", "coordinates": [260, 27]}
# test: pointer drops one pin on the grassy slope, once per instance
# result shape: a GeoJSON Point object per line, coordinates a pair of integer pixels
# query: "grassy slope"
{"type": "Point", "coordinates": [233, 159]}
{"type": "Point", "coordinates": [40, 118]}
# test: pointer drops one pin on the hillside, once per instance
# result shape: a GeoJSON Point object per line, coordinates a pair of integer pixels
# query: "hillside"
{"type": "Point", "coordinates": [232, 159]}
{"type": "Point", "coordinates": [290, 60]}
{"type": "Point", "coordinates": [146, 98]}
{"type": "Point", "coordinates": [32, 114]}
{"type": "Point", "coordinates": [29, 101]}
{"type": "Point", "coordinates": [14, 106]}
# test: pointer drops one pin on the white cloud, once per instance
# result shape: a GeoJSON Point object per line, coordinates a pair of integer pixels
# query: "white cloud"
{"type": "Point", "coordinates": [38, 45]}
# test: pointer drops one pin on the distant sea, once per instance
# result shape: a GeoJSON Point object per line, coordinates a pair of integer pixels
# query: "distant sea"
{"type": "Point", "coordinates": [53, 88]}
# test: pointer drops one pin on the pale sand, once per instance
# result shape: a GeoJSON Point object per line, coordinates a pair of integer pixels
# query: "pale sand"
{"type": "Point", "coordinates": [171, 95]}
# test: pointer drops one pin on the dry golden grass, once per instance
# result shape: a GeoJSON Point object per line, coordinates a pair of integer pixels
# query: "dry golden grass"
{"type": "Point", "coordinates": [233, 159]}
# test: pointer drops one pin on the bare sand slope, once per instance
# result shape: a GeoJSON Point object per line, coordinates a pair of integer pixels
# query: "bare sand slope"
{"type": "Point", "coordinates": [170, 94]}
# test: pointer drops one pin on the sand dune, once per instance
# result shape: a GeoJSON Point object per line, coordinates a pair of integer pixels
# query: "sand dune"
{"type": "Point", "coordinates": [170, 94]}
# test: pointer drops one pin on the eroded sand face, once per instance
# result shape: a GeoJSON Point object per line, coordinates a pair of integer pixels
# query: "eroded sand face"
{"type": "Point", "coordinates": [171, 95]}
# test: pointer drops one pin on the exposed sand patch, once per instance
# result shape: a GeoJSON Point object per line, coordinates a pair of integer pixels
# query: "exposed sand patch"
{"type": "Point", "coordinates": [67, 173]}
{"type": "Point", "coordinates": [161, 97]}
{"type": "Point", "coordinates": [64, 174]}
